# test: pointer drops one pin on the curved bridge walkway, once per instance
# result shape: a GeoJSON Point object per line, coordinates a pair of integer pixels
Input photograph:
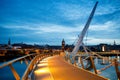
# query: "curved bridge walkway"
{"type": "Point", "coordinates": [56, 68]}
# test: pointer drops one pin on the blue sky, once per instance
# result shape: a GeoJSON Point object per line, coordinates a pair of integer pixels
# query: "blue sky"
{"type": "Point", "coordinates": [49, 21]}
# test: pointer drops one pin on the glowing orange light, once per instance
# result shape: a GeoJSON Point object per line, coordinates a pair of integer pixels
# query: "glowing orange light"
{"type": "Point", "coordinates": [42, 70]}
{"type": "Point", "coordinates": [40, 65]}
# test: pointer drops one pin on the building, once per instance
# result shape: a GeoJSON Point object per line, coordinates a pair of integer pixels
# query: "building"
{"type": "Point", "coordinates": [63, 45]}
{"type": "Point", "coordinates": [115, 48]}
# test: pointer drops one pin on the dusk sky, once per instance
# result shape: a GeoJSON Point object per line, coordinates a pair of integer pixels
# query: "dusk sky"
{"type": "Point", "coordinates": [49, 21]}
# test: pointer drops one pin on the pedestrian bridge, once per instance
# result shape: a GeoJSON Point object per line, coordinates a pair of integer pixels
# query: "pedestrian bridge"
{"type": "Point", "coordinates": [56, 66]}
{"type": "Point", "coordinates": [52, 66]}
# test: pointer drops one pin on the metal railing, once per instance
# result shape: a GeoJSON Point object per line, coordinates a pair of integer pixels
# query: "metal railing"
{"type": "Point", "coordinates": [90, 59]}
{"type": "Point", "coordinates": [33, 64]}
{"type": "Point", "coordinates": [9, 63]}
{"type": "Point", "coordinates": [15, 60]}
{"type": "Point", "coordinates": [30, 66]}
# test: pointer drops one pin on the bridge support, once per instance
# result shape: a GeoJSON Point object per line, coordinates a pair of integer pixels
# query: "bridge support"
{"type": "Point", "coordinates": [75, 64]}
{"type": "Point", "coordinates": [93, 65]}
{"type": "Point", "coordinates": [117, 69]}
{"type": "Point", "coordinates": [81, 62]}
{"type": "Point", "coordinates": [17, 77]}
{"type": "Point", "coordinates": [26, 62]}
{"type": "Point", "coordinates": [30, 58]}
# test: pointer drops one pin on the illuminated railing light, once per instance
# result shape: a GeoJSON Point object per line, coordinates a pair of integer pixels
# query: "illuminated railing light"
{"type": "Point", "coordinates": [42, 65]}
{"type": "Point", "coordinates": [42, 70]}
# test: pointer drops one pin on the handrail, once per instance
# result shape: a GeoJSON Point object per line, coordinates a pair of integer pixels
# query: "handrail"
{"type": "Point", "coordinates": [9, 63]}
{"type": "Point", "coordinates": [15, 60]}
{"type": "Point", "coordinates": [30, 66]}
{"type": "Point", "coordinates": [33, 62]}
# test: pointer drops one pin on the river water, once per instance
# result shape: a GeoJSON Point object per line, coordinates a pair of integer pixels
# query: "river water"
{"type": "Point", "coordinates": [6, 74]}
{"type": "Point", "coordinates": [109, 72]}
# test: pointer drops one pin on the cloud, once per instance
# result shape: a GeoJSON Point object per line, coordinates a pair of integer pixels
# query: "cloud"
{"type": "Point", "coordinates": [59, 28]}
{"type": "Point", "coordinates": [46, 27]}
{"type": "Point", "coordinates": [95, 41]}
{"type": "Point", "coordinates": [108, 10]}
{"type": "Point", "coordinates": [51, 21]}
{"type": "Point", "coordinates": [107, 26]}
{"type": "Point", "coordinates": [72, 11]}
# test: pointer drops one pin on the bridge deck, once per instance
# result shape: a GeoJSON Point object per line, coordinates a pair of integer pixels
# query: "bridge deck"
{"type": "Point", "coordinates": [59, 69]}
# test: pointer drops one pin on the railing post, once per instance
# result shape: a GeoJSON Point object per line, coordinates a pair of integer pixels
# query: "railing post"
{"type": "Point", "coordinates": [93, 65]}
{"type": "Point", "coordinates": [17, 77]}
{"type": "Point", "coordinates": [30, 58]}
{"type": "Point", "coordinates": [81, 62]}
{"type": "Point", "coordinates": [75, 62]}
{"type": "Point", "coordinates": [78, 59]}
{"type": "Point", "coordinates": [26, 62]}
{"type": "Point", "coordinates": [117, 69]}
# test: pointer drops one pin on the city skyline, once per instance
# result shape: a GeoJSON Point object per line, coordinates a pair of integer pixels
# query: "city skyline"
{"type": "Point", "coordinates": [50, 21]}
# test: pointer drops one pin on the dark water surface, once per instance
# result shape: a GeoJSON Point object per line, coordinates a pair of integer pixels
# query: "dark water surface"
{"type": "Point", "coordinates": [6, 73]}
